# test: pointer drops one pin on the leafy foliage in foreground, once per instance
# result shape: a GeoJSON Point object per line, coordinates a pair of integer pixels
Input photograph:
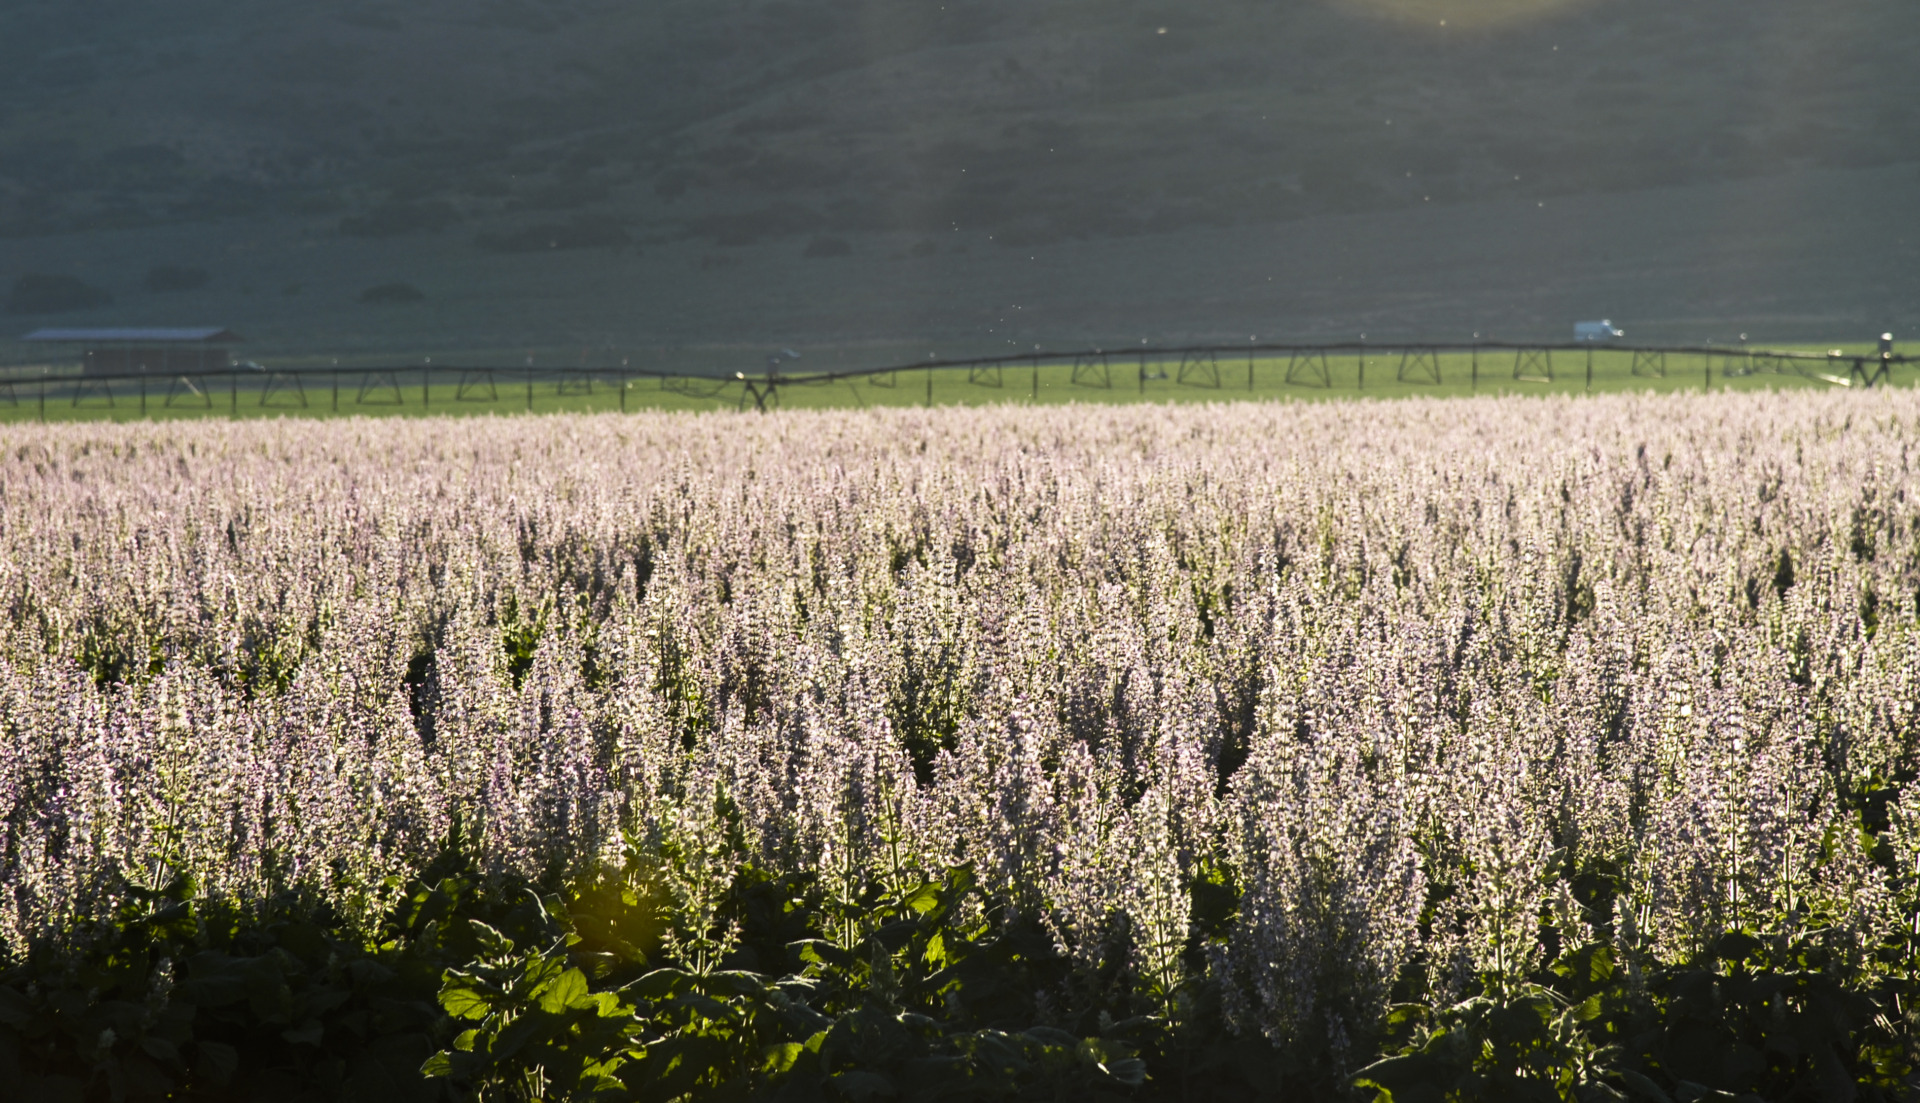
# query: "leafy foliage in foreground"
{"type": "Point", "coordinates": [527, 999]}
{"type": "Point", "coordinates": [181, 999]}
{"type": "Point", "coordinates": [925, 993]}
{"type": "Point", "coordinates": [1753, 1018]}
{"type": "Point", "coordinates": [927, 1002]}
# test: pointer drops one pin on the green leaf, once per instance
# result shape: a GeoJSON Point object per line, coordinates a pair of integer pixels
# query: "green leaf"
{"type": "Point", "coordinates": [268, 994]}
{"type": "Point", "coordinates": [936, 952]}
{"type": "Point", "coordinates": [1835, 1085]}
{"type": "Point", "coordinates": [15, 1009]}
{"type": "Point", "coordinates": [1052, 1037]}
{"type": "Point", "coordinates": [52, 1089]}
{"type": "Point", "coordinates": [779, 1057]}
{"type": "Point", "coordinates": [1643, 1088]}
{"type": "Point", "coordinates": [923, 898]}
{"type": "Point", "coordinates": [662, 984]}
{"type": "Point", "coordinates": [673, 1068]}
{"type": "Point", "coordinates": [532, 1027]}
{"type": "Point", "coordinates": [735, 982]}
{"type": "Point", "coordinates": [214, 980]}
{"type": "Point", "coordinates": [568, 990]}
{"type": "Point", "coordinates": [1410, 1078]}
{"type": "Point", "coordinates": [138, 1078]}
{"type": "Point", "coordinates": [815, 951]}
{"type": "Point", "coordinates": [704, 1004]}
{"type": "Point", "coordinates": [1735, 946]}
{"type": "Point", "coordinates": [368, 973]}
{"type": "Point", "coordinates": [308, 1033]}
{"type": "Point", "coordinates": [606, 1005]}
{"type": "Point", "coordinates": [860, 1085]}
{"type": "Point", "coordinates": [1401, 1014]}
{"type": "Point", "coordinates": [600, 1083]}
{"type": "Point", "coordinates": [216, 1061]}
{"type": "Point", "coordinates": [159, 1049]}
{"type": "Point", "coordinates": [463, 1002]}
{"type": "Point", "coordinates": [492, 942]}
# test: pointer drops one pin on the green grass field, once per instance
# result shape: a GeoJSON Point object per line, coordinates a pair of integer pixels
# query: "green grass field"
{"type": "Point", "coordinates": [1225, 379]}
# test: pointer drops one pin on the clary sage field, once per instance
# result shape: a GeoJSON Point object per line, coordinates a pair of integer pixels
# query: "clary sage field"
{"type": "Point", "coordinates": [1495, 749]}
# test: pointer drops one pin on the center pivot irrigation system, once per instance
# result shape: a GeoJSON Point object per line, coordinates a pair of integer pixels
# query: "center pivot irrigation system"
{"type": "Point", "coordinates": [1313, 365]}
{"type": "Point", "coordinates": [1209, 366]}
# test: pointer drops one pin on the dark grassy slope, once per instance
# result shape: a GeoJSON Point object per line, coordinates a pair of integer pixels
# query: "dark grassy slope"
{"type": "Point", "coordinates": [716, 131]}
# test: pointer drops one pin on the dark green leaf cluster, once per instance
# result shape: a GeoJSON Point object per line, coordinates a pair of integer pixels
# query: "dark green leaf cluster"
{"type": "Point", "coordinates": [1753, 1018]}
{"type": "Point", "coordinates": [181, 999]}
{"type": "Point", "coordinates": [933, 1001]}
{"type": "Point", "coordinates": [924, 991]}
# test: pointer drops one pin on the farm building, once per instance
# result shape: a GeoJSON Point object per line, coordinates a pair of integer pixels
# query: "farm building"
{"type": "Point", "coordinates": [145, 351]}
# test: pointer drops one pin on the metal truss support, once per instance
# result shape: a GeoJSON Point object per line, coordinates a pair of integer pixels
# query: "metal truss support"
{"type": "Point", "coordinates": [1533, 365]}
{"type": "Point", "coordinates": [579, 381]}
{"type": "Point", "coordinates": [84, 384]}
{"type": "Point", "coordinates": [185, 383]}
{"type": "Point", "coordinates": [1649, 363]}
{"type": "Point", "coordinates": [685, 385]}
{"type": "Point", "coordinates": [1144, 377]}
{"type": "Point", "coordinates": [13, 397]}
{"type": "Point", "coordinates": [1871, 372]}
{"type": "Point", "coordinates": [1309, 368]}
{"type": "Point", "coordinates": [1199, 369]}
{"type": "Point", "coordinates": [468, 389]}
{"type": "Point", "coordinates": [1092, 371]}
{"type": "Point", "coordinates": [765, 394]}
{"type": "Point", "coordinates": [985, 375]}
{"type": "Point", "coordinates": [1418, 362]}
{"type": "Point", "coordinates": [371, 384]}
{"type": "Point", "coordinates": [277, 382]}
{"type": "Point", "coordinates": [884, 379]}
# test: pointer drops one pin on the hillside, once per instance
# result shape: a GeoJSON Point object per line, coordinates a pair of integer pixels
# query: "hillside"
{"type": "Point", "coordinates": [714, 131]}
